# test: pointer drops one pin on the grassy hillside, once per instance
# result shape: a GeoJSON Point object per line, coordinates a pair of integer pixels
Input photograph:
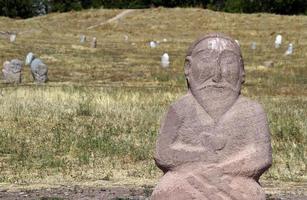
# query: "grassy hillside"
{"type": "Point", "coordinates": [98, 117]}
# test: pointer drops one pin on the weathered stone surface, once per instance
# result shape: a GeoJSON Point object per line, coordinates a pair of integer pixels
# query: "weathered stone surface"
{"type": "Point", "coordinates": [214, 144]}
{"type": "Point", "coordinates": [12, 71]}
{"type": "Point", "coordinates": [38, 69]}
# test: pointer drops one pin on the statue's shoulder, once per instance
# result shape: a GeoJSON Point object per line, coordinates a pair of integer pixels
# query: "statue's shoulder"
{"type": "Point", "coordinates": [183, 104]}
{"type": "Point", "coordinates": [248, 106]}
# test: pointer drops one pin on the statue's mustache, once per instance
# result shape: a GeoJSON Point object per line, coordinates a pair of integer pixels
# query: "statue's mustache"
{"type": "Point", "coordinates": [216, 85]}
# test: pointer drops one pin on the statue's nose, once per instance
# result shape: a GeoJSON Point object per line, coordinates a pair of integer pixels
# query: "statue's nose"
{"type": "Point", "coordinates": [217, 75]}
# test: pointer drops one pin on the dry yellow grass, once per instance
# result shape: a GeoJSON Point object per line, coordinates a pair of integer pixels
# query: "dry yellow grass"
{"type": "Point", "coordinates": [97, 118]}
{"type": "Point", "coordinates": [56, 38]}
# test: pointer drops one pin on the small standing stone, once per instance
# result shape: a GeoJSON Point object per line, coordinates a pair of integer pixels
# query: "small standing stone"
{"type": "Point", "coordinates": [153, 44]}
{"type": "Point", "coordinates": [126, 37]}
{"type": "Point", "coordinates": [278, 41]}
{"type": "Point", "coordinates": [82, 38]}
{"type": "Point", "coordinates": [94, 42]}
{"type": "Point", "coordinates": [165, 60]}
{"type": "Point", "coordinates": [164, 40]}
{"type": "Point", "coordinates": [13, 38]}
{"type": "Point", "coordinates": [12, 71]}
{"type": "Point", "coordinates": [253, 46]}
{"type": "Point", "coordinates": [289, 50]}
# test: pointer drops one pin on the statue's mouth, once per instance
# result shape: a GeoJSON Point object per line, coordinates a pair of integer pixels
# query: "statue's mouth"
{"type": "Point", "coordinates": [219, 86]}
{"type": "Point", "coordinates": [213, 86]}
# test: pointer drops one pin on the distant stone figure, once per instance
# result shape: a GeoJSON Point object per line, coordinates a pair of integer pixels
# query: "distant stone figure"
{"type": "Point", "coordinates": [289, 50]}
{"type": "Point", "coordinates": [165, 60]}
{"type": "Point", "coordinates": [13, 38]}
{"type": "Point", "coordinates": [214, 144]}
{"type": "Point", "coordinates": [12, 71]}
{"type": "Point", "coordinates": [94, 42]}
{"type": "Point", "coordinates": [126, 37]}
{"type": "Point", "coordinates": [253, 46]}
{"type": "Point", "coordinates": [38, 69]}
{"type": "Point", "coordinates": [152, 44]}
{"type": "Point", "coordinates": [278, 41]}
{"type": "Point", "coordinates": [82, 38]}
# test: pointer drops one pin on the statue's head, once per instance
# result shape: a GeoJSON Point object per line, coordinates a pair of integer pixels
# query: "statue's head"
{"type": "Point", "coordinates": [16, 65]}
{"type": "Point", "coordinates": [214, 61]}
{"type": "Point", "coordinates": [30, 57]}
{"type": "Point", "coordinates": [214, 71]}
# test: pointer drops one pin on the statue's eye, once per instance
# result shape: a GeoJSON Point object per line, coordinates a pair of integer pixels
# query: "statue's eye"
{"type": "Point", "coordinates": [206, 60]}
{"type": "Point", "coordinates": [230, 67]}
{"type": "Point", "coordinates": [230, 61]}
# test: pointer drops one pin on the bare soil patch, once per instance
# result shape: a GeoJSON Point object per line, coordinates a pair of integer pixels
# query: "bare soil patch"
{"type": "Point", "coordinates": [285, 191]}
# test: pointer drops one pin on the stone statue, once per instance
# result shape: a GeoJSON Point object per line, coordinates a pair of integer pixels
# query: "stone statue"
{"type": "Point", "coordinates": [38, 69]}
{"type": "Point", "coordinates": [13, 38]}
{"type": "Point", "coordinates": [214, 144]}
{"type": "Point", "coordinates": [12, 71]}
{"type": "Point", "coordinates": [94, 42]}
{"type": "Point", "coordinates": [82, 38]}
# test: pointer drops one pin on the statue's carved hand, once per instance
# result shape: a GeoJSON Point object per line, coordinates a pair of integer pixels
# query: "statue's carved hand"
{"type": "Point", "coordinates": [212, 141]}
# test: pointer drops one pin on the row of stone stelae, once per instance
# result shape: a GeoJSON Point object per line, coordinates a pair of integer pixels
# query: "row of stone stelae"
{"type": "Point", "coordinates": [165, 60]}
{"type": "Point", "coordinates": [12, 70]}
{"type": "Point", "coordinates": [278, 42]}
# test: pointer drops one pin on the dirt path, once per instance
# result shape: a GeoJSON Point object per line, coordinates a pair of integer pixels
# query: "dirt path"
{"type": "Point", "coordinates": [295, 192]}
{"type": "Point", "coordinates": [117, 17]}
{"type": "Point", "coordinates": [77, 192]}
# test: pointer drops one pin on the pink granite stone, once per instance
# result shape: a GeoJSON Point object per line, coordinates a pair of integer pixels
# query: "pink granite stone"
{"type": "Point", "coordinates": [214, 144]}
{"type": "Point", "coordinates": [12, 71]}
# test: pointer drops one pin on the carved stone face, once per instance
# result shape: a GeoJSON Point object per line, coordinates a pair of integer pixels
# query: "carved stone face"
{"type": "Point", "coordinates": [216, 63]}
{"type": "Point", "coordinates": [214, 71]}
